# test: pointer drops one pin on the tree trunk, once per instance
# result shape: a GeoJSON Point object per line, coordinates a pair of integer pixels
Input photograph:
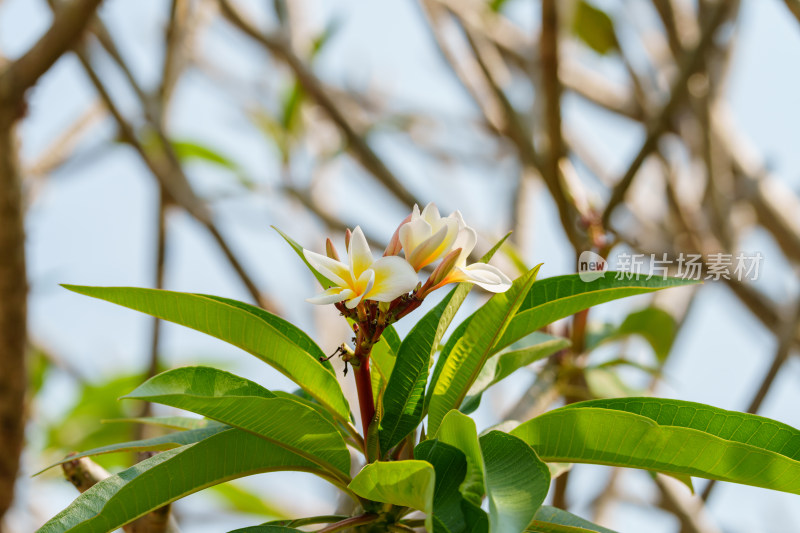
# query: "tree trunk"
{"type": "Point", "coordinates": [13, 311]}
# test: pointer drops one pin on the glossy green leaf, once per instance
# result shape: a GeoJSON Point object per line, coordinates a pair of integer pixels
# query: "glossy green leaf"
{"type": "Point", "coordinates": [554, 298]}
{"type": "Point", "coordinates": [516, 481]}
{"type": "Point", "coordinates": [171, 475]}
{"type": "Point", "coordinates": [451, 512]}
{"type": "Point", "coordinates": [164, 442]}
{"type": "Point", "coordinates": [246, 405]}
{"type": "Point", "coordinates": [500, 366]}
{"type": "Point", "coordinates": [670, 436]}
{"type": "Point", "coordinates": [405, 393]}
{"type": "Point", "coordinates": [553, 520]}
{"type": "Point", "coordinates": [459, 430]}
{"type": "Point", "coordinates": [471, 351]}
{"type": "Point", "coordinates": [408, 483]}
{"type": "Point", "coordinates": [325, 282]}
{"type": "Point", "coordinates": [245, 329]}
{"type": "Point", "coordinates": [286, 328]}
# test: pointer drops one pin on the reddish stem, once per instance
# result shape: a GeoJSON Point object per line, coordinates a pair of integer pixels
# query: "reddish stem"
{"type": "Point", "coordinates": [366, 401]}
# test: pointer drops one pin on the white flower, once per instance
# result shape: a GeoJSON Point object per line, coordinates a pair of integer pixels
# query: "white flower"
{"type": "Point", "coordinates": [363, 278]}
{"type": "Point", "coordinates": [428, 237]}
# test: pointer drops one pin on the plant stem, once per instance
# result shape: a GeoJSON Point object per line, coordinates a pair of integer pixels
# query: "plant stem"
{"type": "Point", "coordinates": [350, 523]}
{"type": "Point", "coordinates": [366, 401]}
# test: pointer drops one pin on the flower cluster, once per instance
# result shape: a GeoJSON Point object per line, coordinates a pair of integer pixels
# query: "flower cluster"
{"type": "Point", "coordinates": [423, 238]}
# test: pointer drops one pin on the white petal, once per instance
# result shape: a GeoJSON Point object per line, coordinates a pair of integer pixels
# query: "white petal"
{"type": "Point", "coordinates": [393, 277]}
{"type": "Point", "coordinates": [431, 214]}
{"type": "Point", "coordinates": [465, 240]}
{"type": "Point", "coordinates": [365, 282]}
{"type": "Point", "coordinates": [359, 253]}
{"type": "Point", "coordinates": [331, 296]}
{"type": "Point", "coordinates": [414, 233]}
{"type": "Point", "coordinates": [334, 270]}
{"type": "Point", "coordinates": [435, 247]}
{"type": "Point", "coordinates": [485, 276]}
{"type": "Point", "coordinates": [362, 287]}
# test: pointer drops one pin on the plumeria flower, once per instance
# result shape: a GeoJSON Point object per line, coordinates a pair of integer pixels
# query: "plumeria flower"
{"type": "Point", "coordinates": [362, 278]}
{"type": "Point", "coordinates": [427, 237]}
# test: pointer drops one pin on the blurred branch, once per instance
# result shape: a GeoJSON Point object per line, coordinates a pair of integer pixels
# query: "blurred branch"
{"type": "Point", "coordinates": [689, 64]}
{"type": "Point", "coordinates": [689, 510]}
{"type": "Point", "coordinates": [84, 473]}
{"type": "Point", "coordinates": [15, 79]}
{"type": "Point", "coordinates": [357, 144]}
{"type": "Point", "coordinates": [68, 24]}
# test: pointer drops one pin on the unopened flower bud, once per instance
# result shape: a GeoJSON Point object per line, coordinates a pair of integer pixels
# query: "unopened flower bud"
{"type": "Point", "coordinates": [445, 267]}
{"type": "Point", "coordinates": [347, 235]}
{"type": "Point", "coordinates": [395, 245]}
{"type": "Point", "coordinates": [330, 250]}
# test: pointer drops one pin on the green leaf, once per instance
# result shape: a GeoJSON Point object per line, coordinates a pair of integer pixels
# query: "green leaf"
{"type": "Point", "coordinates": [383, 358]}
{"type": "Point", "coordinates": [171, 475]}
{"type": "Point", "coordinates": [516, 480]}
{"type": "Point", "coordinates": [246, 329]}
{"type": "Point", "coordinates": [404, 398]}
{"type": "Point", "coordinates": [472, 350]}
{"type": "Point", "coordinates": [187, 150]}
{"type": "Point", "coordinates": [554, 298]}
{"type": "Point", "coordinates": [457, 429]}
{"type": "Point", "coordinates": [286, 328]}
{"type": "Point", "coordinates": [325, 282]}
{"type": "Point", "coordinates": [246, 405]}
{"type": "Point", "coordinates": [655, 325]}
{"type": "Point", "coordinates": [164, 442]}
{"type": "Point", "coordinates": [449, 505]}
{"type": "Point", "coordinates": [499, 367]}
{"type": "Point", "coordinates": [408, 483]}
{"type": "Point", "coordinates": [170, 422]}
{"type": "Point", "coordinates": [457, 297]}
{"type": "Point", "coordinates": [670, 436]}
{"type": "Point", "coordinates": [553, 520]}
{"type": "Point", "coordinates": [594, 27]}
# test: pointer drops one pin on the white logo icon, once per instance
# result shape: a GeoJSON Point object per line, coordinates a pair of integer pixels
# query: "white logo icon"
{"type": "Point", "coordinates": [591, 266]}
